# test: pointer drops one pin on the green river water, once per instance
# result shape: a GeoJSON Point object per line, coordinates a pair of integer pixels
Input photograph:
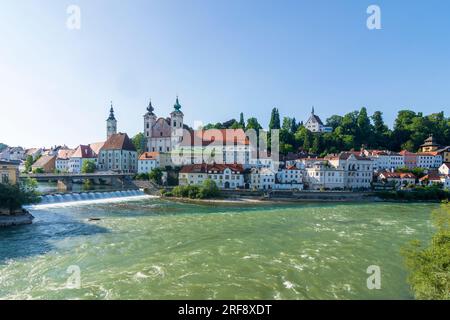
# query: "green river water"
{"type": "Point", "coordinates": [148, 248]}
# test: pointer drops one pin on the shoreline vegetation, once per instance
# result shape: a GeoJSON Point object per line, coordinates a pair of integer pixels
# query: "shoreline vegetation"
{"type": "Point", "coordinates": [209, 193]}
{"type": "Point", "coordinates": [429, 266]}
{"type": "Point", "coordinates": [12, 200]}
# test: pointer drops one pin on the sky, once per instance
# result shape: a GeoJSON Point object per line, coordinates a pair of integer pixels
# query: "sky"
{"type": "Point", "coordinates": [221, 57]}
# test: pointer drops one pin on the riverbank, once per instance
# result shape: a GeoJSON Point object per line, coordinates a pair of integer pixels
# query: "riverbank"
{"type": "Point", "coordinates": [22, 218]}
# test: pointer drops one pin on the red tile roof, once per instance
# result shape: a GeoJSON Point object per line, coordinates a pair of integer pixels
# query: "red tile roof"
{"type": "Point", "coordinates": [83, 151]}
{"type": "Point", "coordinates": [149, 156]}
{"type": "Point", "coordinates": [119, 141]}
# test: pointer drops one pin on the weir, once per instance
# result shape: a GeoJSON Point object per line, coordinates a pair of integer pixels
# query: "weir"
{"type": "Point", "coordinates": [86, 196]}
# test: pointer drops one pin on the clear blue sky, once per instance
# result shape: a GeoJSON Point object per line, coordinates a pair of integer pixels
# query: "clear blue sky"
{"type": "Point", "coordinates": [220, 56]}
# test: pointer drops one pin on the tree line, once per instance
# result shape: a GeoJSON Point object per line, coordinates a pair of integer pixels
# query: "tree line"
{"type": "Point", "coordinates": [351, 131]}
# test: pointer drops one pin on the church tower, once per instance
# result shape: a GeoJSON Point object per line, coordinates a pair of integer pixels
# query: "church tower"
{"type": "Point", "coordinates": [111, 123]}
{"type": "Point", "coordinates": [149, 122]}
{"type": "Point", "coordinates": [176, 123]}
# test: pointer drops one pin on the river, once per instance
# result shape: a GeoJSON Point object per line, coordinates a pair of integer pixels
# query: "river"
{"type": "Point", "coordinates": [147, 248]}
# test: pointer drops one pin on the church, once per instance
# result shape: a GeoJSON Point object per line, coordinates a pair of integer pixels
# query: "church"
{"type": "Point", "coordinates": [315, 124]}
{"type": "Point", "coordinates": [163, 134]}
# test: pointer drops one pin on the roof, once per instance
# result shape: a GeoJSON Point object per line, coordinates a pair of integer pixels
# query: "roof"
{"type": "Point", "coordinates": [433, 153]}
{"type": "Point", "coordinates": [446, 164]}
{"type": "Point", "coordinates": [83, 151]}
{"type": "Point", "coordinates": [118, 141]}
{"type": "Point", "coordinates": [431, 177]}
{"type": "Point", "coordinates": [42, 161]}
{"type": "Point", "coordinates": [9, 163]}
{"type": "Point", "coordinates": [97, 146]}
{"type": "Point", "coordinates": [204, 168]}
{"type": "Point", "coordinates": [430, 142]}
{"type": "Point", "coordinates": [65, 153]}
{"type": "Point", "coordinates": [292, 168]}
{"type": "Point", "coordinates": [315, 118]}
{"type": "Point", "coordinates": [398, 175]}
{"type": "Point", "coordinates": [217, 136]}
{"type": "Point", "coordinates": [346, 155]}
{"type": "Point", "coordinates": [149, 156]}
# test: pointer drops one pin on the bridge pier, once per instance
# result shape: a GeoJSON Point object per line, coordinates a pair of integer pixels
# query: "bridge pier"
{"type": "Point", "coordinates": [65, 184]}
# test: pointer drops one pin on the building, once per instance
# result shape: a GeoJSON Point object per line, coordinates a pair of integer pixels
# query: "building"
{"type": "Point", "coordinates": [224, 146]}
{"type": "Point", "coordinates": [428, 160]}
{"type": "Point", "coordinates": [81, 154]}
{"type": "Point", "coordinates": [33, 152]}
{"type": "Point", "coordinates": [9, 172]}
{"type": "Point", "coordinates": [445, 180]}
{"type": "Point", "coordinates": [62, 160]}
{"type": "Point", "coordinates": [430, 145]}
{"type": "Point", "coordinates": [431, 179]}
{"type": "Point", "coordinates": [397, 178]}
{"type": "Point", "coordinates": [262, 178]}
{"type": "Point", "coordinates": [111, 123]}
{"type": "Point", "coordinates": [358, 169]}
{"type": "Point", "coordinates": [46, 163]}
{"type": "Point", "coordinates": [385, 160]}
{"type": "Point", "coordinates": [148, 161]}
{"type": "Point", "coordinates": [163, 134]}
{"type": "Point", "coordinates": [409, 159]}
{"type": "Point", "coordinates": [321, 175]}
{"type": "Point", "coordinates": [315, 124]}
{"type": "Point", "coordinates": [445, 169]}
{"type": "Point", "coordinates": [290, 175]}
{"type": "Point", "coordinates": [226, 176]}
{"type": "Point", "coordinates": [13, 154]}
{"type": "Point", "coordinates": [445, 153]}
{"type": "Point", "coordinates": [118, 154]}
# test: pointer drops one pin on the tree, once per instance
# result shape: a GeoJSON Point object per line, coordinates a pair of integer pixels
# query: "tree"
{"type": "Point", "coordinates": [364, 131]}
{"type": "Point", "coordinates": [156, 175]}
{"type": "Point", "coordinates": [252, 123]}
{"type": "Point", "coordinates": [88, 166]}
{"type": "Point", "coordinates": [241, 120]}
{"type": "Point", "coordinates": [13, 197]}
{"type": "Point", "coordinates": [430, 267]}
{"type": "Point", "coordinates": [38, 171]}
{"type": "Point", "coordinates": [381, 131]}
{"type": "Point", "coordinates": [274, 119]}
{"type": "Point", "coordinates": [139, 142]}
{"type": "Point", "coordinates": [28, 163]}
{"type": "Point", "coordinates": [334, 121]}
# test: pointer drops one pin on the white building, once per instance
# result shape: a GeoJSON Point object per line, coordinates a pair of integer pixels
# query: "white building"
{"type": "Point", "coordinates": [429, 160]}
{"type": "Point", "coordinates": [385, 160]}
{"type": "Point", "coordinates": [445, 169]}
{"type": "Point", "coordinates": [13, 154]}
{"type": "Point", "coordinates": [148, 161]}
{"type": "Point", "coordinates": [226, 176]}
{"type": "Point", "coordinates": [397, 178]}
{"type": "Point", "coordinates": [262, 178]}
{"type": "Point", "coordinates": [63, 159]}
{"type": "Point", "coordinates": [289, 175]}
{"type": "Point", "coordinates": [314, 124]}
{"type": "Point", "coordinates": [358, 169]}
{"type": "Point", "coordinates": [445, 180]}
{"type": "Point", "coordinates": [75, 161]}
{"type": "Point", "coordinates": [321, 175]}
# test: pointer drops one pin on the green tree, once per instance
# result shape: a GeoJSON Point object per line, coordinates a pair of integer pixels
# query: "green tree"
{"type": "Point", "coordinates": [139, 142]}
{"type": "Point", "coordinates": [156, 175]}
{"type": "Point", "coordinates": [274, 119]}
{"type": "Point", "coordinates": [430, 266]}
{"type": "Point", "coordinates": [28, 163]}
{"type": "Point", "coordinates": [364, 131]}
{"type": "Point", "coordinates": [88, 166]}
{"type": "Point", "coordinates": [241, 120]}
{"type": "Point", "coordinates": [13, 197]}
{"type": "Point", "coordinates": [252, 123]}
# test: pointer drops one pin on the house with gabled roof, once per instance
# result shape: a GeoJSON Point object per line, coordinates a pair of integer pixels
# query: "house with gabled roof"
{"type": "Point", "coordinates": [118, 154]}
{"type": "Point", "coordinates": [315, 124]}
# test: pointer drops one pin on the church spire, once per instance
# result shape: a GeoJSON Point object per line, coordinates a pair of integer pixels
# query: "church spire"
{"type": "Point", "coordinates": [177, 105]}
{"type": "Point", "coordinates": [312, 111]}
{"type": "Point", "coordinates": [150, 108]}
{"type": "Point", "coordinates": [111, 113]}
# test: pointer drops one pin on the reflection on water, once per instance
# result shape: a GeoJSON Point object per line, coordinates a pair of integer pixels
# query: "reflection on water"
{"type": "Point", "coordinates": [155, 249]}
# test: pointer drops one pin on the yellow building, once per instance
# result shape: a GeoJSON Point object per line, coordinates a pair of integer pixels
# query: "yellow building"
{"type": "Point", "coordinates": [9, 172]}
{"type": "Point", "coordinates": [445, 153]}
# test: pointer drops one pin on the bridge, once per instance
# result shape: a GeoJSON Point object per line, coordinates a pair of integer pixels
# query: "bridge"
{"type": "Point", "coordinates": [65, 180]}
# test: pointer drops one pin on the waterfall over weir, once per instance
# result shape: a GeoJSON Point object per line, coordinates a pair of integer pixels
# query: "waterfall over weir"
{"type": "Point", "coordinates": [90, 197]}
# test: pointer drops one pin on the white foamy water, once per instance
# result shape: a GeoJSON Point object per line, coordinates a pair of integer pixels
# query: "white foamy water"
{"type": "Point", "coordinates": [84, 198]}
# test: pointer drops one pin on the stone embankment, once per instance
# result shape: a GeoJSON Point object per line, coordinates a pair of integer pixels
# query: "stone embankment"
{"type": "Point", "coordinates": [15, 219]}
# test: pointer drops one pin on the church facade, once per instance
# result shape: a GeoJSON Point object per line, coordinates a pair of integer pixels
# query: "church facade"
{"type": "Point", "coordinates": [315, 124]}
{"type": "Point", "coordinates": [163, 134]}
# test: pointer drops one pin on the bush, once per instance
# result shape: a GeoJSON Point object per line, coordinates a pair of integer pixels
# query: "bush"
{"type": "Point", "coordinates": [156, 175]}
{"type": "Point", "coordinates": [208, 189]}
{"type": "Point", "coordinates": [38, 170]}
{"type": "Point", "coordinates": [430, 267]}
{"type": "Point", "coordinates": [13, 197]}
{"type": "Point", "coordinates": [88, 166]}
{"type": "Point", "coordinates": [417, 193]}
